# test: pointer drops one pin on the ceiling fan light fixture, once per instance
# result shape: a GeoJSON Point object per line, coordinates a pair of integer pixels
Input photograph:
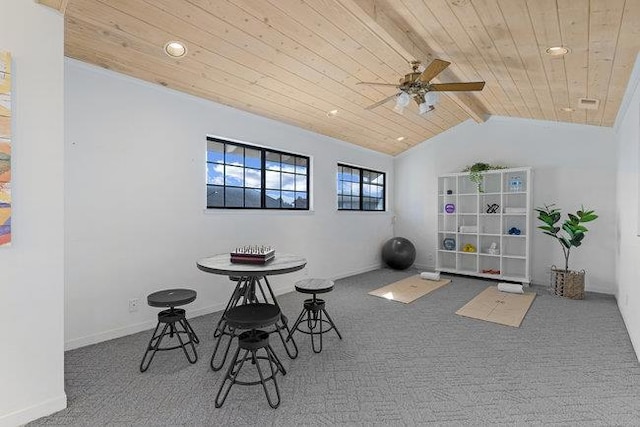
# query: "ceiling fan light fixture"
{"type": "Point", "coordinates": [175, 49]}
{"type": "Point", "coordinates": [424, 108]}
{"type": "Point", "coordinates": [403, 99]}
{"type": "Point", "coordinates": [557, 51]}
{"type": "Point", "coordinates": [431, 98]}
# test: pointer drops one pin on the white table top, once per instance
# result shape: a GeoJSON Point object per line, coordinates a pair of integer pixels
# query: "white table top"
{"type": "Point", "coordinates": [281, 264]}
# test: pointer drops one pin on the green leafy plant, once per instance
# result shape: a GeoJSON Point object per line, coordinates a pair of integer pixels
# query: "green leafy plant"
{"type": "Point", "coordinates": [475, 172]}
{"type": "Point", "coordinates": [571, 233]}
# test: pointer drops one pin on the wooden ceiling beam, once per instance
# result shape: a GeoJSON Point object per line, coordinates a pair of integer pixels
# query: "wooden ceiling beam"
{"type": "Point", "coordinates": [397, 38]}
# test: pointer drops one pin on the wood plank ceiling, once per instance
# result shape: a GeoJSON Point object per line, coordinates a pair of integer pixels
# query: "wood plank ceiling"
{"type": "Point", "coordinates": [296, 60]}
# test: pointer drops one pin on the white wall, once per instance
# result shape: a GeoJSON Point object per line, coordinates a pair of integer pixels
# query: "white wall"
{"type": "Point", "coordinates": [572, 165]}
{"type": "Point", "coordinates": [628, 250]}
{"type": "Point", "coordinates": [31, 284]}
{"type": "Point", "coordinates": [135, 205]}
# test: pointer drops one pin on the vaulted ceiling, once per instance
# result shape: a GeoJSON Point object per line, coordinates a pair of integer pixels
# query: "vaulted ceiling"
{"type": "Point", "coordinates": [296, 60]}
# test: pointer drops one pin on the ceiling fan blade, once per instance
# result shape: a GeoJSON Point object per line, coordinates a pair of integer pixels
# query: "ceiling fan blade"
{"type": "Point", "coordinates": [435, 68]}
{"type": "Point", "coordinates": [379, 103]}
{"type": "Point", "coordinates": [377, 84]}
{"type": "Point", "coordinates": [446, 87]}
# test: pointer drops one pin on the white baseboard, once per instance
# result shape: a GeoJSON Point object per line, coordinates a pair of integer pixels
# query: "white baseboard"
{"type": "Point", "coordinates": [31, 413]}
{"type": "Point", "coordinates": [131, 329]}
{"type": "Point", "coordinates": [358, 271]}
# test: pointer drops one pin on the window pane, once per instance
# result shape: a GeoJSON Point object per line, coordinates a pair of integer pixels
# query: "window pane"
{"type": "Point", "coordinates": [301, 183]}
{"type": "Point", "coordinates": [355, 188]}
{"type": "Point", "coordinates": [251, 198]}
{"type": "Point", "coordinates": [301, 165]}
{"type": "Point", "coordinates": [215, 197]}
{"type": "Point", "coordinates": [288, 197]}
{"type": "Point", "coordinates": [215, 152]}
{"type": "Point", "coordinates": [377, 178]}
{"type": "Point", "coordinates": [301, 201]}
{"type": "Point", "coordinates": [366, 177]}
{"type": "Point", "coordinates": [272, 199]}
{"type": "Point", "coordinates": [252, 178]}
{"type": "Point", "coordinates": [272, 180]}
{"type": "Point", "coordinates": [234, 175]}
{"type": "Point", "coordinates": [215, 174]}
{"type": "Point", "coordinates": [233, 197]}
{"type": "Point", "coordinates": [288, 163]}
{"type": "Point", "coordinates": [252, 158]}
{"type": "Point", "coordinates": [288, 181]}
{"type": "Point", "coordinates": [346, 188]}
{"type": "Point", "coordinates": [366, 190]}
{"type": "Point", "coordinates": [234, 155]}
{"type": "Point", "coordinates": [272, 161]}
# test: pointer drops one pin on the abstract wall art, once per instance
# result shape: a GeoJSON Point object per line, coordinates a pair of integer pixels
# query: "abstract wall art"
{"type": "Point", "coordinates": [5, 148]}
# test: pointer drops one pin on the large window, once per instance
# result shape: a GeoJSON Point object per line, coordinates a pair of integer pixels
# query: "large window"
{"type": "Point", "coordinates": [248, 177]}
{"type": "Point", "coordinates": [360, 189]}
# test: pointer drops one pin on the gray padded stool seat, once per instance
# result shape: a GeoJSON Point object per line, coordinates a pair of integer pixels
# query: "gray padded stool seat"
{"type": "Point", "coordinates": [250, 317]}
{"type": "Point", "coordinates": [313, 309]}
{"type": "Point", "coordinates": [175, 323]}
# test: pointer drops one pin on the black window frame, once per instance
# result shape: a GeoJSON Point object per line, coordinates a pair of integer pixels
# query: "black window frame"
{"type": "Point", "coordinates": [264, 199]}
{"type": "Point", "coordinates": [361, 198]}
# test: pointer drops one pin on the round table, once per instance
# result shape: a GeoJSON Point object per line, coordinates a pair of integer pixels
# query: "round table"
{"type": "Point", "coordinates": [248, 290]}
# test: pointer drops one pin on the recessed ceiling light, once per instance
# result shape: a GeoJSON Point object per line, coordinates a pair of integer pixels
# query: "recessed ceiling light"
{"type": "Point", "coordinates": [332, 113]}
{"type": "Point", "coordinates": [567, 109]}
{"type": "Point", "coordinates": [175, 49]}
{"type": "Point", "coordinates": [400, 138]}
{"type": "Point", "coordinates": [557, 51]}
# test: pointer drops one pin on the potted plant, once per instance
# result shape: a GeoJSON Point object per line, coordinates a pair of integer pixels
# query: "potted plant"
{"type": "Point", "coordinates": [475, 172]}
{"type": "Point", "coordinates": [570, 235]}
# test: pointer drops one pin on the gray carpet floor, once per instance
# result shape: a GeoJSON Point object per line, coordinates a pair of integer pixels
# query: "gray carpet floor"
{"type": "Point", "coordinates": [570, 363]}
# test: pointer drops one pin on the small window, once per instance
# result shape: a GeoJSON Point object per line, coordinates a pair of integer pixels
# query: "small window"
{"type": "Point", "coordinates": [242, 176]}
{"type": "Point", "coordinates": [360, 189]}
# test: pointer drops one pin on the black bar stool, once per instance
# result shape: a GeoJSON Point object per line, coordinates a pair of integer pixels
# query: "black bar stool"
{"type": "Point", "coordinates": [314, 309]}
{"type": "Point", "coordinates": [171, 319]}
{"type": "Point", "coordinates": [250, 317]}
{"type": "Point", "coordinates": [248, 290]}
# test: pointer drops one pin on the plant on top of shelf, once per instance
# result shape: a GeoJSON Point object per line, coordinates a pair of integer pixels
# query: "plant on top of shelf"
{"type": "Point", "coordinates": [476, 169]}
{"type": "Point", "coordinates": [569, 235]}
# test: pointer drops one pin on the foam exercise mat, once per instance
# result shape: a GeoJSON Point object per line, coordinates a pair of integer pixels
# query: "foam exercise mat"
{"type": "Point", "coordinates": [409, 289]}
{"type": "Point", "coordinates": [498, 307]}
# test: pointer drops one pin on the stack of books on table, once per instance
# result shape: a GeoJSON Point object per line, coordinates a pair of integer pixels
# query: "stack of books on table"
{"type": "Point", "coordinates": [253, 254]}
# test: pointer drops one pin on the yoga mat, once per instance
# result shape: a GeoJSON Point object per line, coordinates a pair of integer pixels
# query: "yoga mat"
{"type": "Point", "coordinates": [409, 289]}
{"type": "Point", "coordinates": [498, 307]}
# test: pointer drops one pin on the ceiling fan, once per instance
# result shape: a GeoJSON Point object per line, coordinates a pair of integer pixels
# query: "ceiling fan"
{"type": "Point", "coordinates": [416, 86]}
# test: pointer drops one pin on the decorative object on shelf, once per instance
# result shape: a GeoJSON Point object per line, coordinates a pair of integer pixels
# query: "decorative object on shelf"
{"type": "Point", "coordinates": [514, 231]}
{"type": "Point", "coordinates": [490, 271]}
{"type": "Point", "coordinates": [252, 254]}
{"type": "Point", "coordinates": [449, 208]}
{"type": "Point", "coordinates": [469, 248]}
{"type": "Point", "coordinates": [449, 244]}
{"type": "Point", "coordinates": [493, 249]}
{"type": "Point", "coordinates": [398, 253]}
{"type": "Point", "coordinates": [493, 208]}
{"type": "Point", "coordinates": [475, 172]}
{"type": "Point", "coordinates": [515, 184]}
{"type": "Point", "coordinates": [449, 191]}
{"type": "Point", "coordinates": [566, 283]}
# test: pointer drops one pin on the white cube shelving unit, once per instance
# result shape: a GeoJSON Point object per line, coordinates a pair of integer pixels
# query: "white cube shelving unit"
{"type": "Point", "coordinates": [465, 218]}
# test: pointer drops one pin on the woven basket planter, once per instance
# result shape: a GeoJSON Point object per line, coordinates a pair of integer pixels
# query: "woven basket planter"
{"type": "Point", "coordinates": [567, 283]}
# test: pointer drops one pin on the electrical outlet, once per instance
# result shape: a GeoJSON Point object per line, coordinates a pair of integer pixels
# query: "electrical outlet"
{"type": "Point", "coordinates": [133, 304]}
